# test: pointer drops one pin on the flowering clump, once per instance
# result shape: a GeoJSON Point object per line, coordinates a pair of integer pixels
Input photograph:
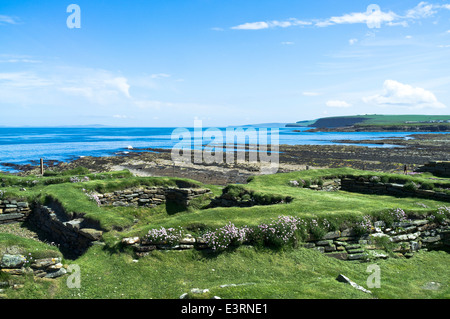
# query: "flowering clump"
{"type": "Point", "coordinates": [279, 232]}
{"type": "Point", "coordinates": [326, 224]}
{"type": "Point", "coordinates": [365, 225]}
{"type": "Point", "coordinates": [94, 197]}
{"type": "Point", "coordinates": [76, 179]}
{"type": "Point", "coordinates": [440, 215]}
{"type": "Point", "coordinates": [392, 216]}
{"type": "Point", "coordinates": [224, 237]}
{"type": "Point", "coordinates": [316, 228]}
{"type": "Point", "coordinates": [282, 230]}
{"type": "Point", "coordinates": [398, 214]}
{"type": "Point", "coordinates": [163, 236]}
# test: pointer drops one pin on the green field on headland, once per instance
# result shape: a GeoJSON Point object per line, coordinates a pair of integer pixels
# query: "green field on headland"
{"type": "Point", "coordinates": [374, 121]}
{"type": "Point", "coordinates": [110, 269]}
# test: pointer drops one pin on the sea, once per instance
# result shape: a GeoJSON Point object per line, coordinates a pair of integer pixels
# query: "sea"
{"type": "Point", "coordinates": [28, 145]}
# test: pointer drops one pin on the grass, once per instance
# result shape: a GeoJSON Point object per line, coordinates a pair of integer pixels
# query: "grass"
{"type": "Point", "coordinates": [110, 271]}
{"type": "Point", "coordinates": [247, 273]}
{"type": "Point", "coordinates": [375, 119]}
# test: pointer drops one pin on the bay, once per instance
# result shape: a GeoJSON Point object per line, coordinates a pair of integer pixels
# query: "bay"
{"type": "Point", "coordinates": [28, 145]}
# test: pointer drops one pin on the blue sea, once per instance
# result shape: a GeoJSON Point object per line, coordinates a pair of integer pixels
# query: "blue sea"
{"type": "Point", "coordinates": [29, 145]}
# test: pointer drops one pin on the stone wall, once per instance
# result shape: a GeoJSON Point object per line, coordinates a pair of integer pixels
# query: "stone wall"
{"type": "Point", "coordinates": [73, 234]}
{"type": "Point", "coordinates": [438, 168]}
{"type": "Point", "coordinates": [360, 185]}
{"type": "Point", "coordinates": [401, 239]}
{"type": "Point", "coordinates": [14, 264]}
{"type": "Point", "coordinates": [151, 196]}
{"type": "Point", "coordinates": [13, 210]}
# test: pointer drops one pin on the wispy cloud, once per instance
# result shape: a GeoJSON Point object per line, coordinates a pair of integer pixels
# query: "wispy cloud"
{"type": "Point", "coordinates": [17, 58]}
{"type": "Point", "coordinates": [271, 24]}
{"type": "Point", "coordinates": [422, 10]}
{"type": "Point", "coordinates": [23, 80]}
{"type": "Point", "coordinates": [95, 86]}
{"type": "Point", "coordinates": [373, 17]}
{"type": "Point", "coordinates": [4, 19]}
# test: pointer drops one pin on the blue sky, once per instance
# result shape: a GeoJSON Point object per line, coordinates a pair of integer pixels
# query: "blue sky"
{"type": "Point", "coordinates": [227, 62]}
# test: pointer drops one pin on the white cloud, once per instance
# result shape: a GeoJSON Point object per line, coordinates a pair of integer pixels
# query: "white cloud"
{"type": "Point", "coordinates": [270, 24]}
{"type": "Point", "coordinates": [400, 23]}
{"type": "Point", "coordinates": [287, 43]}
{"type": "Point", "coordinates": [121, 84]}
{"type": "Point", "coordinates": [375, 18]}
{"type": "Point", "coordinates": [352, 41]}
{"type": "Point", "coordinates": [62, 83]}
{"type": "Point", "coordinates": [97, 85]}
{"type": "Point", "coordinates": [337, 103]}
{"type": "Point", "coordinates": [252, 26]}
{"type": "Point", "coordinates": [399, 94]}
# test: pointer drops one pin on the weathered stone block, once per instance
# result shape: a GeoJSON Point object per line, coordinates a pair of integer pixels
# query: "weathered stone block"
{"type": "Point", "coordinates": [12, 261]}
{"type": "Point", "coordinates": [354, 246]}
{"type": "Point", "coordinates": [429, 240]}
{"type": "Point", "coordinates": [60, 272]}
{"type": "Point", "coordinates": [13, 216]}
{"type": "Point", "coordinates": [145, 248]}
{"type": "Point", "coordinates": [324, 243]}
{"type": "Point", "coordinates": [44, 263]}
{"type": "Point", "coordinates": [338, 255]}
{"type": "Point", "coordinates": [355, 251]}
{"type": "Point", "coordinates": [91, 233]}
{"type": "Point", "coordinates": [356, 256]}
{"type": "Point", "coordinates": [332, 235]}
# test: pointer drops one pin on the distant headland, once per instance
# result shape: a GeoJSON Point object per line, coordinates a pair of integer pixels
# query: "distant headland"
{"type": "Point", "coordinates": [377, 123]}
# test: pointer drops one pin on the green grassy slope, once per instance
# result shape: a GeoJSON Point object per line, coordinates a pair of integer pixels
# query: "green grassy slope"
{"type": "Point", "coordinates": [339, 121]}
{"type": "Point", "coordinates": [111, 271]}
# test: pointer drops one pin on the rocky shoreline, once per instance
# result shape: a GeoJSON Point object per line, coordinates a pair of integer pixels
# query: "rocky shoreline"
{"type": "Point", "coordinates": [413, 151]}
